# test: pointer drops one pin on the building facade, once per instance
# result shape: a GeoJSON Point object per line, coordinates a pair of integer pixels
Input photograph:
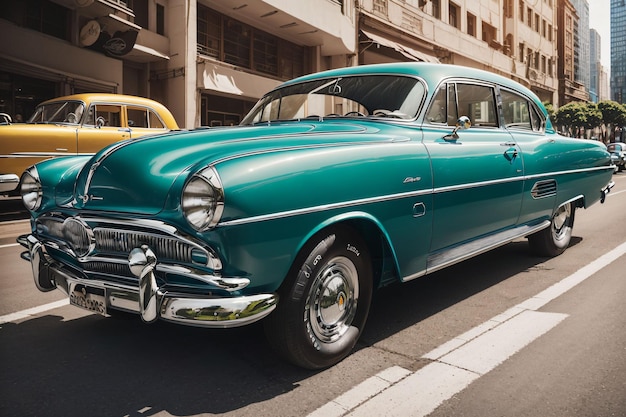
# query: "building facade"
{"type": "Point", "coordinates": [595, 65]}
{"type": "Point", "coordinates": [582, 47]}
{"type": "Point", "coordinates": [210, 60]}
{"type": "Point", "coordinates": [618, 51]}
{"type": "Point", "coordinates": [569, 89]}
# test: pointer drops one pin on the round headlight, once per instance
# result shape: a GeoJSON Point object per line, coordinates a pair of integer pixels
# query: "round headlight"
{"type": "Point", "coordinates": [203, 199]}
{"type": "Point", "coordinates": [30, 188]}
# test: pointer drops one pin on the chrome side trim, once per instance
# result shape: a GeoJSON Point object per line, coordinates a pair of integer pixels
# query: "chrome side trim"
{"type": "Point", "coordinates": [324, 207]}
{"type": "Point", "coordinates": [398, 196]}
{"type": "Point", "coordinates": [468, 250]}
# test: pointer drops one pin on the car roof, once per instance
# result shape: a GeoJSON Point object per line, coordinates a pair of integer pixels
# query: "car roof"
{"type": "Point", "coordinates": [432, 73]}
{"type": "Point", "coordinates": [106, 97]}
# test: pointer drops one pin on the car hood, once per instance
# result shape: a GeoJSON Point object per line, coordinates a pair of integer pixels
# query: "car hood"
{"type": "Point", "coordinates": [145, 176]}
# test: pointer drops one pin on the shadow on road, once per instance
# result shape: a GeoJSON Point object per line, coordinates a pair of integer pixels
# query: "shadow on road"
{"type": "Point", "coordinates": [94, 366]}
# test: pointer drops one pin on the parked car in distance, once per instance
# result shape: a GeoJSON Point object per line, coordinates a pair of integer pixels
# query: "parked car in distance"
{"type": "Point", "coordinates": [79, 124]}
{"type": "Point", "coordinates": [618, 154]}
{"type": "Point", "coordinates": [335, 184]}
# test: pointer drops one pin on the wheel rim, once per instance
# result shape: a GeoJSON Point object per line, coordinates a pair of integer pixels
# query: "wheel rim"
{"type": "Point", "coordinates": [332, 301]}
{"type": "Point", "coordinates": [560, 222]}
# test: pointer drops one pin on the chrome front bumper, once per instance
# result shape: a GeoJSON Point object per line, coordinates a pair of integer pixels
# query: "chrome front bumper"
{"type": "Point", "coordinates": [8, 182]}
{"type": "Point", "coordinates": [147, 299]}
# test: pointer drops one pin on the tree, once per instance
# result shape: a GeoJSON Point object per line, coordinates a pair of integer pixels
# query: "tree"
{"type": "Point", "coordinates": [572, 116]}
{"type": "Point", "coordinates": [613, 114]}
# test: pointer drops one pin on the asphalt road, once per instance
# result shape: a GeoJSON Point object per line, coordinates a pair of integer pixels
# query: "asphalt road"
{"type": "Point", "coordinates": [66, 362]}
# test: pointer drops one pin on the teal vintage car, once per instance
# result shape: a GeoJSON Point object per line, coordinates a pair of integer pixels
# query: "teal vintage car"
{"type": "Point", "coordinates": [334, 185]}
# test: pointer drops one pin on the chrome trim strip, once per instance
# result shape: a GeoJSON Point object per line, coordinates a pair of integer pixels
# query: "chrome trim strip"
{"type": "Point", "coordinates": [468, 250]}
{"type": "Point", "coordinates": [324, 207]}
{"type": "Point", "coordinates": [370, 200]}
{"type": "Point", "coordinates": [43, 154]}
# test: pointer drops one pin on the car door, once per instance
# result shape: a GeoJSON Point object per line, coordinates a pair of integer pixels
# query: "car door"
{"type": "Point", "coordinates": [527, 124]}
{"type": "Point", "coordinates": [143, 121]}
{"type": "Point", "coordinates": [477, 172]}
{"type": "Point", "coordinates": [104, 124]}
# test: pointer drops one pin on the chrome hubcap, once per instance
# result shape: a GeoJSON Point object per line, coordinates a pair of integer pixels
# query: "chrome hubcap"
{"type": "Point", "coordinates": [332, 301]}
{"type": "Point", "coordinates": [560, 221]}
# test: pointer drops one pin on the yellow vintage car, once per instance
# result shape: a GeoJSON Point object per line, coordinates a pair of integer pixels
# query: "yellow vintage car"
{"type": "Point", "coordinates": [79, 124]}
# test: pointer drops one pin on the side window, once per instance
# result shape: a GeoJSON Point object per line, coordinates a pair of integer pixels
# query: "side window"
{"type": "Point", "coordinates": [137, 116]}
{"type": "Point", "coordinates": [155, 121]}
{"type": "Point", "coordinates": [438, 113]}
{"type": "Point", "coordinates": [519, 113]}
{"type": "Point", "coordinates": [443, 107]}
{"type": "Point", "coordinates": [478, 103]}
{"type": "Point", "coordinates": [107, 114]}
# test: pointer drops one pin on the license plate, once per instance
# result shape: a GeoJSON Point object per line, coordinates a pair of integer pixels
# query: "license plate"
{"type": "Point", "coordinates": [89, 298]}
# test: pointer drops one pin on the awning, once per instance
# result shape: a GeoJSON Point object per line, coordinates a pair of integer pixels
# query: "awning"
{"type": "Point", "coordinates": [230, 81]}
{"type": "Point", "coordinates": [408, 52]}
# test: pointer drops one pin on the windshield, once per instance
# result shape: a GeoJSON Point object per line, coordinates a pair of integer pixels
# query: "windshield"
{"type": "Point", "coordinates": [68, 112]}
{"type": "Point", "coordinates": [388, 96]}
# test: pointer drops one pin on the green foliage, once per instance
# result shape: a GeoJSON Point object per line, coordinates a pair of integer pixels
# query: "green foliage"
{"type": "Point", "coordinates": [575, 116]}
{"type": "Point", "coordinates": [613, 113]}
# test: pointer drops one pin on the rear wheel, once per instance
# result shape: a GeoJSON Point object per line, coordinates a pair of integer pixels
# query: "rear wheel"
{"type": "Point", "coordinates": [325, 301]}
{"type": "Point", "coordinates": [553, 241]}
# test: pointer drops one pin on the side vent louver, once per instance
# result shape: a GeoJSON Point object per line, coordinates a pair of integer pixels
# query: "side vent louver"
{"type": "Point", "coordinates": [543, 189]}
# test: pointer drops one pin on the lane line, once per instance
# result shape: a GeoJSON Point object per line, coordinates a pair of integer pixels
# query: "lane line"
{"type": "Point", "coordinates": [9, 245]}
{"type": "Point", "coordinates": [32, 311]}
{"type": "Point", "coordinates": [460, 361]}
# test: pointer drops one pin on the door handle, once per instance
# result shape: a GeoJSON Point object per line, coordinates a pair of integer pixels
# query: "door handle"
{"type": "Point", "coordinates": [510, 154]}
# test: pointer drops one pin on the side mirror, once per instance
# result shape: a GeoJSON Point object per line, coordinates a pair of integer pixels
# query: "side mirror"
{"type": "Point", "coordinates": [462, 123]}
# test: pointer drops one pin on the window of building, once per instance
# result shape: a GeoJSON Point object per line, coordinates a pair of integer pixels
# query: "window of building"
{"type": "Point", "coordinates": [239, 44]}
{"type": "Point", "coordinates": [550, 67]}
{"type": "Point", "coordinates": [223, 111]}
{"type": "Point", "coordinates": [529, 17]}
{"type": "Point", "coordinates": [543, 64]}
{"type": "Point", "coordinates": [454, 15]}
{"type": "Point", "coordinates": [160, 19]}
{"type": "Point", "coordinates": [380, 6]}
{"type": "Point", "coordinates": [537, 20]}
{"type": "Point", "coordinates": [508, 8]}
{"type": "Point", "coordinates": [39, 15]}
{"type": "Point", "coordinates": [550, 32]}
{"type": "Point", "coordinates": [544, 28]}
{"type": "Point", "coordinates": [489, 33]}
{"type": "Point", "coordinates": [140, 9]}
{"type": "Point", "coordinates": [536, 61]}
{"type": "Point", "coordinates": [522, 7]}
{"type": "Point", "coordinates": [471, 24]}
{"type": "Point", "coordinates": [436, 8]}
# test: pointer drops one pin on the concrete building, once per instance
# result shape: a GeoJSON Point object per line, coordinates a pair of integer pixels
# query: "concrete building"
{"type": "Point", "coordinates": [210, 60]}
{"type": "Point", "coordinates": [582, 53]}
{"type": "Point", "coordinates": [569, 88]}
{"type": "Point", "coordinates": [515, 38]}
{"type": "Point", "coordinates": [595, 64]}
{"type": "Point", "coordinates": [618, 51]}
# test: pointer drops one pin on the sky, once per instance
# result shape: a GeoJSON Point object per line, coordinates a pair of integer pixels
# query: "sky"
{"type": "Point", "coordinates": [600, 20]}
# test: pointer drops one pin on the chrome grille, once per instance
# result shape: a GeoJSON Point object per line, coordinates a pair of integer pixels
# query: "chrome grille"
{"type": "Point", "coordinates": [114, 241]}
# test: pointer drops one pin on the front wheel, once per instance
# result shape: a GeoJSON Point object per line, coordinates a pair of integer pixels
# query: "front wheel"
{"type": "Point", "coordinates": [324, 302]}
{"type": "Point", "coordinates": [553, 241]}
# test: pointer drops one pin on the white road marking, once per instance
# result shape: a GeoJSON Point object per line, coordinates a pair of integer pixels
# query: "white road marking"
{"type": "Point", "coordinates": [33, 311]}
{"type": "Point", "coordinates": [10, 245]}
{"type": "Point", "coordinates": [460, 361]}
